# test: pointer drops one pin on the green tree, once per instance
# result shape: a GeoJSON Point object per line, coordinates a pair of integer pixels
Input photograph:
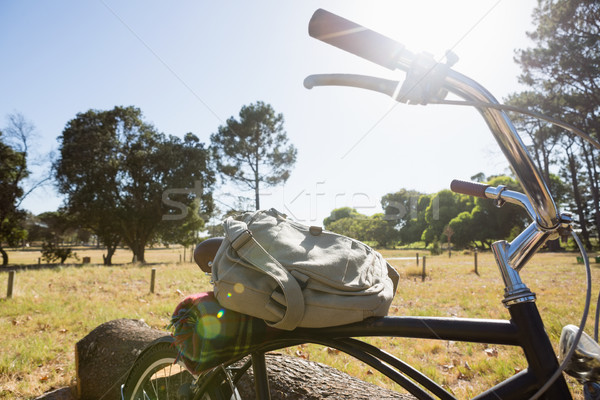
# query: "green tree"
{"type": "Point", "coordinates": [413, 230]}
{"type": "Point", "coordinates": [13, 170]}
{"type": "Point", "coordinates": [185, 231]}
{"type": "Point", "coordinates": [485, 223]}
{"type": "Point", "coordinates": [114, 169]}
{"type": "Point", "coordinates": [51, 253]}
{"type": "Point", "coordinates": [253, 150]}
{"type": "Point", "coordinates": [401, 206]}
{"type": "Point", "coordinates": [340, 213]}
{"type": "Point", "coordinates": [406, 208]}
{"type": "Point", "coordinates": [351, 227]}
{"type": "Point", "coordinates": [57, 227]}
{"type": "Point", "coordinates": [381, 230]}
{"type": "Point", "coordinates": [561, 70]}
{"type": "Point", "coordinates": [478, 177]}
{"type": "Point", "coordinates": [349, 222]}
{"type": "Point", "coordinates": [444, 206]}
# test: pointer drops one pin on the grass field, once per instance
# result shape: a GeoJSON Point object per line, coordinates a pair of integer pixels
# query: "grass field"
{"type": "Point", "coordinates": [31, 256]}
{"type": "Point", "coordinates": [52, 309]}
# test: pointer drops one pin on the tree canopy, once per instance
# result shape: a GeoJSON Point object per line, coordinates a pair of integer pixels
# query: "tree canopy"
{"type": "Point", "coordinates": [432, 217]}
{"type": "Point", "coordinates": [253, 150]}
{"type": "Point", "coordinates": [349, 222]}
{"type": "Point", "coordinates": [444, 206]}
{"type": "Point", "coordinates": [485, 223]}
{"type": "Point", "coordinates": [562, 72]}
{"type": "Point", "coordinates": [13, 173]}
{"type": "Point", "coordinates": [114, 168]}
{"type": "Point", "coordinates": [13, 170]}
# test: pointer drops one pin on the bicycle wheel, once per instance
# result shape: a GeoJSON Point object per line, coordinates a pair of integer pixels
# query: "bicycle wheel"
{"type": "Point", "coordinates": [156, 375]}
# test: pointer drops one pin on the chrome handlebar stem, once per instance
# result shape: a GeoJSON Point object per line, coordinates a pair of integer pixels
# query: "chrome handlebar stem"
{"type": "Point", "coordinates": [542, 206]}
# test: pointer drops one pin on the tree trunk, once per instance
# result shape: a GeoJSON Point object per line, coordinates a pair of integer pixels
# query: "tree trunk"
{"type": "Point", "coordinates": [105, 355]}
{"type": "Point", "coordinates": [110, 251]}
{"type": "Point", "coordinates": [257, 193]}
{"type": "Point", "coordinates": [592, 171]}
{"type": "Point", "coordinates": [572, 168]}
{"type": "Point", "coordinates": [138, 252]}
{"type": "Point", "coordinates": [4, 256]}
{"type": "Point", "coordinates": [256, 167]}
{"type": "Point", "coordinates": [554, 245]}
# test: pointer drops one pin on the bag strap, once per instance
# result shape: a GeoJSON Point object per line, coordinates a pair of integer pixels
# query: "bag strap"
{"type": "Point", "coordinates": [250, 250]}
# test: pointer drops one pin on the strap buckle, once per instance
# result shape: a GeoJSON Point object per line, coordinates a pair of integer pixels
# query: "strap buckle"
{"type": "Point", "coordinates": [241, 239]}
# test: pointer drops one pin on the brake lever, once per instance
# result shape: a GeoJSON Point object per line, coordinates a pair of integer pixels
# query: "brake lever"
{"type": "Point", "coordinates": [381, 85]}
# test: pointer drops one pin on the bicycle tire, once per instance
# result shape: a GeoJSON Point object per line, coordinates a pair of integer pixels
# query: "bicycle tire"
{"type": "Point", "coordinates": [157, 375]}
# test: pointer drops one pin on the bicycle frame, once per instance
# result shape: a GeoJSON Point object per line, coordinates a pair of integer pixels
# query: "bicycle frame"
{"type": "Point", "coordinates": [525, 328]}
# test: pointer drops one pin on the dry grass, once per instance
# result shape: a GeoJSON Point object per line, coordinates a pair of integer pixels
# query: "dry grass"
{"type": "Point", "coordinates": [31, 256]}
{"type": "Point", "coordinates": [452, 289]}
{"type": "Point", "coordinates": [52, 309]}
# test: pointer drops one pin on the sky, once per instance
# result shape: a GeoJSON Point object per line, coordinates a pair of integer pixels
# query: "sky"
{"type": "Point", "coordinates": [190, 65]}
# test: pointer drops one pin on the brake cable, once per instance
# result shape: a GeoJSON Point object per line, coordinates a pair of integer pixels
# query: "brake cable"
{"type": "Point", "coordinates": [588, 296]}
{"type": "Point", "coordinates": [388, 87]}
{"type": "Point", "coordinates": [582, 251]}
{"type": "Point", "coordinates": [519, 110]}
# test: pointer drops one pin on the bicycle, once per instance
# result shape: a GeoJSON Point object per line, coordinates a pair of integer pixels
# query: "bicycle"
{"type": "Point", "coordinates": [427, 82]}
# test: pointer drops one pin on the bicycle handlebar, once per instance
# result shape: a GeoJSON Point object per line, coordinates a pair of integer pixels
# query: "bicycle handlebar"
{"type": "Point", "coordinates": [500, 194]}
{"type": "Point", "coordinates": [385, 86]}
{"type": "Point", "coordinates": [469, 188]}
{"type": "Point", "coordinates": [423, 72]}
{"type": "Point", "coordinates": [357, 39]}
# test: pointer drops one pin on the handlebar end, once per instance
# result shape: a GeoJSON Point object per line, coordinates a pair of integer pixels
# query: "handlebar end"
{"type": "Point", "coordinates": [469, 188]}
{"type": "Point", "coordinates": [356, 39]}
{"type": "Point", "coordinates": [309, 82]}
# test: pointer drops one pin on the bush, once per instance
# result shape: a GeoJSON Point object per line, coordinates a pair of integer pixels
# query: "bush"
{"type": "Point", "coordinates": [52, 253]}
{"type": "Point", "coordinates": [436, 249]}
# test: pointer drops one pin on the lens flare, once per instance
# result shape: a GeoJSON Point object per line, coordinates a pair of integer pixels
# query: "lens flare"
{"type": "Point", "coordinates": [220, 313]}
{"type": "Point", "coordinates": [238, 288]}
{"type": "Point", "coordinates": [209, 327]}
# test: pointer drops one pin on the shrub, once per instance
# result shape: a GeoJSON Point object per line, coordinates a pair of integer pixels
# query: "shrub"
{"type": "Point", "coordinates": [436, 249]}
{"type": "Point", "coordinates": [52, 253]}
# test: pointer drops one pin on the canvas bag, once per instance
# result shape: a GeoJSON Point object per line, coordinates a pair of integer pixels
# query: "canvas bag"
{"type": "Point", "coordinates": [292, 275]}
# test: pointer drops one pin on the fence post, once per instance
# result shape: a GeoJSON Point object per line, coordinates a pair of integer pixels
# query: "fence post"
{"type": "Point", "coordinates": [152, 280]}
{"type": "Point", "coordinates": [475, 260]}
{"type": "Point", "coordinates": [417, 259]}
{"type": "Point", "coordinates": [11, 282]}
{"type": "Point", "coordinates": [423, 275]}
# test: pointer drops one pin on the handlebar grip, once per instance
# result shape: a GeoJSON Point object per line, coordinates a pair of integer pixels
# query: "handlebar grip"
{"type": "Point", "coordinates": [469, 188]}
{"type": "Point", "coordinates": [356, 39]}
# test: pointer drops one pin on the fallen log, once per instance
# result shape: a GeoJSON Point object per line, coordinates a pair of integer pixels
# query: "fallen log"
{"type": "Point", "coordinates": [104, 357]}
{"type": "Point", "coordinates": [294, 378]}
{"type": "Point", "coordinates": [64, 393]}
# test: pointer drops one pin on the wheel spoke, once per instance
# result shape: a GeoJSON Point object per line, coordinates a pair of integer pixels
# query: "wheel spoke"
{"type": "Point", "coordinates": [156, 376]}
